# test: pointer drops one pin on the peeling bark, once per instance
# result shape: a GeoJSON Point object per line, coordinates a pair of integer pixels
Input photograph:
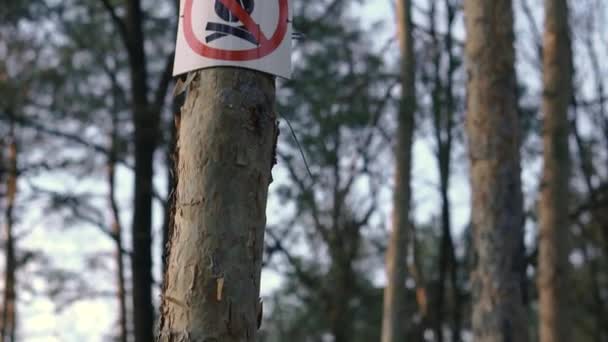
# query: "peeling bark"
{"type": "Point", "coordinates": [497, 208]}
{"type": "Point", "coordinates": [396, 258]}
{"type": "Point", "coordinates": [226, 143]}
{"type": "Point", "coordinates": [553, 206]}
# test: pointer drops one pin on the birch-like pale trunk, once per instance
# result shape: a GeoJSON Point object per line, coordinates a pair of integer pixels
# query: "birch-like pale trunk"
{"type": "Point", "coordinates": [497, 217]}
{"type": "Point", "coordinates": [226, 150]}
{"type": "Point", "coordinates": [555, 324]}
{"type": "Point", "coordinates": [393, 316]}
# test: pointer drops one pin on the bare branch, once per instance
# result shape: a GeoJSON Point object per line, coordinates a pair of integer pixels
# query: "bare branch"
{"type": "Point", "coordinates": [118, 22]}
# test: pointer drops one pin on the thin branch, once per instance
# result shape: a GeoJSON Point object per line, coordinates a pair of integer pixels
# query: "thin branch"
{"type": "Point", "coordinates": [118, 22]}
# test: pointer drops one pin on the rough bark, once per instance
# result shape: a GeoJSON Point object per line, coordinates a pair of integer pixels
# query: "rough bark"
{"type": "Point", "coordinates": [176, 104]}
{"type": "Point", "coordinates": [171, 159]}
{"type": "Point", "coordinates": [553, 206]}
{"type": "Point", "coordinates": [394, 293]}
{"type": "Point", "coordinates": [497, 209]}
{"type": "Point", "coordinates": [7, 332]}
{"type": "Point", "coordinates": [227, 138]}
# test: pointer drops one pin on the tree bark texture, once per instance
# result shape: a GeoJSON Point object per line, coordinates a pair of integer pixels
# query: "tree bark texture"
{"type": "Point", "coordinates": [8, 327]}
{"type": "Point", "coordinates": [497, 210]}
{"type": "Point", "coordinates": [553, 207]}
{"type": "Point", "coordinates": [396, 259]}
{"type": "Point", "coordinates": [227, 140]}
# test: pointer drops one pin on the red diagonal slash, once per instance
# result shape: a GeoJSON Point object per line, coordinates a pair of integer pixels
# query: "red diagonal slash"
{"type": "Point", "coordinates": [246, 19]}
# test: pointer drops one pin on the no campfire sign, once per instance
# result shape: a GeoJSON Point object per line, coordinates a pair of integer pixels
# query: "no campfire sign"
{"type": "Point", "coordinates": [253, 34]}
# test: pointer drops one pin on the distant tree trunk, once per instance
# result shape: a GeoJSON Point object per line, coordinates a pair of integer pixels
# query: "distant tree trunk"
{"type": "Point", "coordinates": [146, 129]}
{"type": "Point", "coordinates": [340, 315]}
{"type": "Point", "coordinates": [497, 208]}
{"type": "Point", "coordinates": [226, 148]}
{"type": "Point", "coordinates": [145, 116]}
{"type": "Point", "coordinates": [396, 258]}
{"type": "Point", "coordinates": [416, 269]}
{"type": "Point", "coordinates": [588, 171]}
{"type": "Point", "coordinates": [442, 102]}
{"type": "Point", "coordinates": [553, 207]}
{"type": "Point", "coordinates": [9, 301]}
{"type": "Point", "coordinates": [449, 123]}
{"type": "Point", "coordinates": [117, 230]}
{"type": "Point", "coordinates": [447, 257]}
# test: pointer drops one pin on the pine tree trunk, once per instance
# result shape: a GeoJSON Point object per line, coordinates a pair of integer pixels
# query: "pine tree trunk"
{"type": "Point", "coordinates": [497, 210]}
{"type": "Point", "coordinates": [227, 138]}
{"type": "Point", "coordinates": [553, 208]}
{"type": "Point", "coordinates": [8, 327]}
{"type": "Point", "coordinates": [396, 259]}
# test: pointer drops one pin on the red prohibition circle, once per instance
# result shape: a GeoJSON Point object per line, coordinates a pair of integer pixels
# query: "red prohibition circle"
{"type": "Point", "coordinates": [266, 45]}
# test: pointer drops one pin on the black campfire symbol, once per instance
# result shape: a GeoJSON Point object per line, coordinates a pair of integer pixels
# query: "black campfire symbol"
{"type": "Point", "coordinates": [220, 30]}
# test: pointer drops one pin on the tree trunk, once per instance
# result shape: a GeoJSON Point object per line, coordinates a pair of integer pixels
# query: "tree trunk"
{"type": "Point", "coordinates": [176, 104]}
{"type": "Point", "coordinates": [227, 138]}
{"type": "Point", "coordinates": [396, 258]}
{"type": "Point", "coordinates": [341, 318]}
{"type": "Point", "coordinates": [497, 209]}
{"type": "Point", "coordinates": [171, 159]}
{"type": "Point", "coordinates": [117, 232]}
{"type": "Point", "coordinates": [8, 327]}
{"type": "Point", "coordinates": [442, 122]}
{"type": "Point", "coordinates": [553, 206]}
{"type": "Point", "coordinates": [450, 114]}
{"type": "Point", "coordinates": [146, 128]}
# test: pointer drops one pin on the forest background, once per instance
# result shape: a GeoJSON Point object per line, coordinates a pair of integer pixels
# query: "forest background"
{"type": "Point", "coordinates": [74, 116]}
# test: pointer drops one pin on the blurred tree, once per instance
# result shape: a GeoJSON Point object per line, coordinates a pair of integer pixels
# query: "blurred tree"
{"type": "Point", "coordinates": [443, 114]}
{"type": "Point", "coordinates": [9, 315]}
{"type": "Point", "coordinates": [588, 126]}
{"type": "Point", "coordinates": [396, 258]}
{"type": "Point", "coordinates": [329, 232]}
{"type": "Point", "coordinates": [89, 71]}
{"type": "Point", "coordinates": [553, 268]}
{"type": "Point", "coordinates": [117, 227]}
{"type": "Point", "coordinates": [493, 132]}
{"type": "Point", "coordinates": [146, 119]}
{"type": "Point", "coordinates": [15, 97]}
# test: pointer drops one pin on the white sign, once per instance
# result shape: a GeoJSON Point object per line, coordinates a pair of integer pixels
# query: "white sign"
{"type": "Point", "coordinates": [253, 34]}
